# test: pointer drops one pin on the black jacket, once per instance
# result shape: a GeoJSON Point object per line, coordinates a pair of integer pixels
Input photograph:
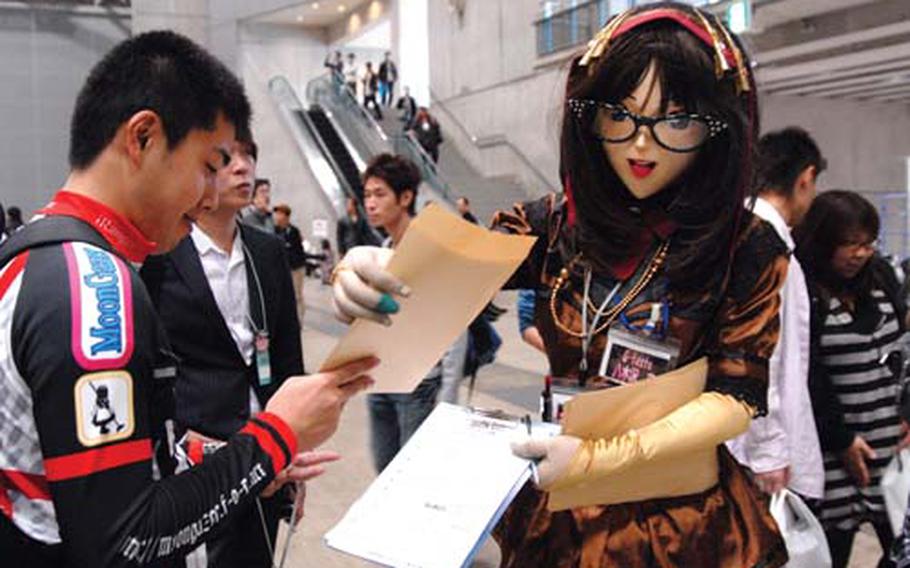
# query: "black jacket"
{"type": "Point", "coordinates": [213, 381]}
{"type": "Point", "coordinates": [293, 245]}
{"type": "Point", "coordinates": [355, 233]}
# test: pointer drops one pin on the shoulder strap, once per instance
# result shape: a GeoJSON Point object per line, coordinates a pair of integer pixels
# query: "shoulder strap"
{"type": "Point", "coordinates": [50, 231]}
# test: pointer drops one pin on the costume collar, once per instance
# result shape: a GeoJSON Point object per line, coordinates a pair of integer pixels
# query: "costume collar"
{"type": "Point", "coordinates": [123, 236]}
{"type": "Point", "coordinates": [656, 226]}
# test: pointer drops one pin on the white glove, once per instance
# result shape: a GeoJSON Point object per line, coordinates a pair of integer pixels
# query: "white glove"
{"type": "Point", "coordinates": [362, 288]}
{"type": "Point", "coordinates": [554, 455]}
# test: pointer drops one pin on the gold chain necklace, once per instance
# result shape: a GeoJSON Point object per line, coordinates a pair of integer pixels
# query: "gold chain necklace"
{"type": "Point", "coordinates": [611, 314]}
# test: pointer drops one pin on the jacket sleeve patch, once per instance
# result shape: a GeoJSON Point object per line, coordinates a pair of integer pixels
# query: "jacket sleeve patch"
{"type": "Point", "coordinates": [104, 407]}
{"type": "Point", "coordinates": [101, 305]}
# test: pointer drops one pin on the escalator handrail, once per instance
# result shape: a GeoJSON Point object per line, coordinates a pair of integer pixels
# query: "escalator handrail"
{"type": "Point", "coordinates": [282, 89]}
{"type": "Point", "coordinates": [322, 89]}
{"type": "Point", "coordinates": [336, 161]}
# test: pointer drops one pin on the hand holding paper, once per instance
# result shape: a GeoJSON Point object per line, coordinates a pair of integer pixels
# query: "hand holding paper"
{"type": "Point", "coordinates": [363, 288]}
{"type": "Point", "coordinates": [555, 455]}
{"type": "Point", "coordinates": [451, 268]}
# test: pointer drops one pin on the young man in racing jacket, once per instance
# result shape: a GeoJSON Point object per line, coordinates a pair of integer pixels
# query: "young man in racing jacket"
{"type": "Point", "coordinates": [85, 395]}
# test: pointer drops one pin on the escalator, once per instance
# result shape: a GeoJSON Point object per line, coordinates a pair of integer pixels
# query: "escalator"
{"type": "Point", "coordinates": [337, 137]}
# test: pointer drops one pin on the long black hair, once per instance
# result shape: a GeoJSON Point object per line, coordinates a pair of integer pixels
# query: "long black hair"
{"type": "Point", "coordinates": [706, 202]}
{"type": "Point", "coordinates": [836, 216]}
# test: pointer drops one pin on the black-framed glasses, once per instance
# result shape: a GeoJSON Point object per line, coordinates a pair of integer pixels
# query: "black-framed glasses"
{"type": "Point", "coordinates": [676, 132]}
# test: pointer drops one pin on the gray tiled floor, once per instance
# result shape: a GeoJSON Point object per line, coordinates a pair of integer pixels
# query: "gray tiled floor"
{"type": "Point", "coordinates": [512, 383]}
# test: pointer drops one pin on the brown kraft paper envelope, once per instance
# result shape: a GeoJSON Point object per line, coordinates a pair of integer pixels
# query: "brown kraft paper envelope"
{"type": "Point", "coordinates": [611, 412]}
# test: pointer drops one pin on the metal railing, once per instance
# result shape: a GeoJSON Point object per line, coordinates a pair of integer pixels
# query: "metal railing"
{"type": "Point", "coordinates": [366, 135]}
{"type": "Point", "coordinates": [493, 141]}
{"type": "Point", "coordinates": [575, 25]}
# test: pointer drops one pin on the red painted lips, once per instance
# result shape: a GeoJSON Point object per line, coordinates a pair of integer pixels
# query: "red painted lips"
{"type": "Point", "coordinates": [641, 168]}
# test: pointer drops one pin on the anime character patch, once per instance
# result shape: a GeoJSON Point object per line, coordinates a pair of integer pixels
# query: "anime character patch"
{"type": "Point", "coordinates": [101, 307]}
{"type": "Point", "coordinates": [104, 407]}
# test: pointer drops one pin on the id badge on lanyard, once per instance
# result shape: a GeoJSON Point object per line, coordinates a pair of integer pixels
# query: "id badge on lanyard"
{"type": "Point", "coordinates": [263, 365]}
{"type": "Point", "coordinates": [630, 357]}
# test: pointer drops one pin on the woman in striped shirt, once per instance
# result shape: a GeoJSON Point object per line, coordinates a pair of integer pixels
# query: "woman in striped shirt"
{"type": "Point", "coordinates": [857, 321]}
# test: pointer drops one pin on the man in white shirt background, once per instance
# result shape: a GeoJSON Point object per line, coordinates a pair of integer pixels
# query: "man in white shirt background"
{"type": "Point", "coordinates": [782, 449]}
{"type": "Point", "coordinates": [227, 301]}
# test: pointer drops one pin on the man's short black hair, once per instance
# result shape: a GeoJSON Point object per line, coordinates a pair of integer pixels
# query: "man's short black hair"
{"type": "Point", "coordinates": [163, 72]}
{"type": "Point", "coordinates": [259, 183]}
{"type": "Point", "coordinates": [399, 172]}
{"type": "Point", "coordinates": [249, 146]}
{"type": "Point", "coordinates": [782, 156]}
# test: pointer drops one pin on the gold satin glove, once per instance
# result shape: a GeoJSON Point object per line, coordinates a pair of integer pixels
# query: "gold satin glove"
{"type": "Point", "coordinates": [703, 423]}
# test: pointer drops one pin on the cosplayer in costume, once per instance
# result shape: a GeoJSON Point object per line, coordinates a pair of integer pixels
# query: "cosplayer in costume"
{"type": "Point", "coordinates": [649, 240]}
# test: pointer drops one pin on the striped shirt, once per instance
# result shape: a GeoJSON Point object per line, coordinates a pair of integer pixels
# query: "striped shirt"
{"type": "Point", "coordinates": [852, 350]}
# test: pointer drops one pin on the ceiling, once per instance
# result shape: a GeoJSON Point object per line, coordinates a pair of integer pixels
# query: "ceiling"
{"type": "Point", "coordinates": [313, 13]}
{"type": "Point", "coordinates": [839, 49]}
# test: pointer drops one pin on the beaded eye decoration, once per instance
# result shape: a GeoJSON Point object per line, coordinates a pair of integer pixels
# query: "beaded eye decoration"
{"type": "Point", "coordinates": [677, 132]}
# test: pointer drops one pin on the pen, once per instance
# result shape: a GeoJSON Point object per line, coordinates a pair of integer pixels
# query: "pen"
{"type": "Point", "coordinates": [534, 475]}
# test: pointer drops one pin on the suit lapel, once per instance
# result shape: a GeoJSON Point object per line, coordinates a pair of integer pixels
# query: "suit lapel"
{"type": "Point", "coordinates": [189, 267]}
{"type": "Point", "coordinates": [257, 303]}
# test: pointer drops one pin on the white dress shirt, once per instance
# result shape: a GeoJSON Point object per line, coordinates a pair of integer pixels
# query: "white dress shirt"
{"type": "Point", "coordinates": [226, 275]}
{"type": "Point", "coordinates": [787, 435]}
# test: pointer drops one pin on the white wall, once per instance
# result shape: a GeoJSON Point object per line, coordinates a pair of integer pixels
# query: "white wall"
{"type": "Point", "coordinates": [414, 49]}
{"type": "Point", "coordinates": [866, 144]}
{"type": "Point", "coordinates": [483, 71]}
{"type": "Point", "coordinates": [45, 56]}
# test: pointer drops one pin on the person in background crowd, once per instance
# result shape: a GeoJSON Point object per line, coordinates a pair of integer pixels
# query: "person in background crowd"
{"type": "Point", "coordinates": [259, 213]}
{"type": "Point", "coordinates": [390, 195]}
{"type": "Point", "coordinates": [354, 230]}
{"type": "Point", "coordinates": [526, 304]}
{"type": "Point", "coordinates": [782, 449]}
{"type": "Point", "coordinates": [13, 220]}
{"type": "Point", "coordinates": [464, 207]}
{"type": "Point", "coordinates": [293, 246]}
{"type": "Point", "coordinates": [370, 91]}
{"type": "Point", "coordinates": [2, 225]}
{"type": "Point", "coordinates": [350, 75]}
{"type": "Point", "coordinates": [219, 293]}
{"type": "Point", "coordinates": [327, 262]}
{"type": "Point", "coordinates": [388, 75]}
{"type": "Point", "coordinates": [92, 484]}
{"type": "Point", "coordinates": [334, 62]}
{"type": "Point", "coordinates": [428, 133]}
{"type": "Point", "coordinates": [857, 324]}
{"type": "Point", "coordinates": [408, 107]}
{"type": "Point", "coordinates": [650, 239]}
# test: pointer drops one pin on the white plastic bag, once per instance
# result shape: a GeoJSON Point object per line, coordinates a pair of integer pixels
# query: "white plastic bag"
{"type": "Point", "coordinates": [803, 534]}
{"type": "Point", "coordinates": [896, 488]}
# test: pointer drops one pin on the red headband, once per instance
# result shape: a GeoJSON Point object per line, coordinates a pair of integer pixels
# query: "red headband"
{"type": "Point", "coordinates": [681, 19]}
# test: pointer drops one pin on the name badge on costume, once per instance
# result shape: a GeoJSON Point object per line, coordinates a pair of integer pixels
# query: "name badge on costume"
{"type": "Point", "coordinates": [263, 365]}
{"type": "Point", "coordinates": [629, 357]}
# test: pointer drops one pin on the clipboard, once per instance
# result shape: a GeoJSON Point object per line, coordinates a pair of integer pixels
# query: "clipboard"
{"type": "Point", "coordinates": [614, 411]}
{"type": "Point", "coordinates": [437, 502]}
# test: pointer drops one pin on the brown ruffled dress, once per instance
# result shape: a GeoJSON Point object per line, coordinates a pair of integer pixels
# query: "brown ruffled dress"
{"type": "Point", "coordinates": [736, 326]}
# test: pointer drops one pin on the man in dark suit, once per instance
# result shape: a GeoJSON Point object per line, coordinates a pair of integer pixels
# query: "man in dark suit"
{"type": "Point", "coordinates": [227, 302]}
{"type": "Point", "coordinates": [353, 230]}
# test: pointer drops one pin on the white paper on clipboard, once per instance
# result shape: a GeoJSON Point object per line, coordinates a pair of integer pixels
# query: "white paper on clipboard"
{"type": "Point", "coordinates": [437, 501]}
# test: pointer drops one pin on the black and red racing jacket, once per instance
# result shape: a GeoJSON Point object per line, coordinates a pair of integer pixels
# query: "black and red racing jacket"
{"type": "Point", "coordinates": [85, 402]}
